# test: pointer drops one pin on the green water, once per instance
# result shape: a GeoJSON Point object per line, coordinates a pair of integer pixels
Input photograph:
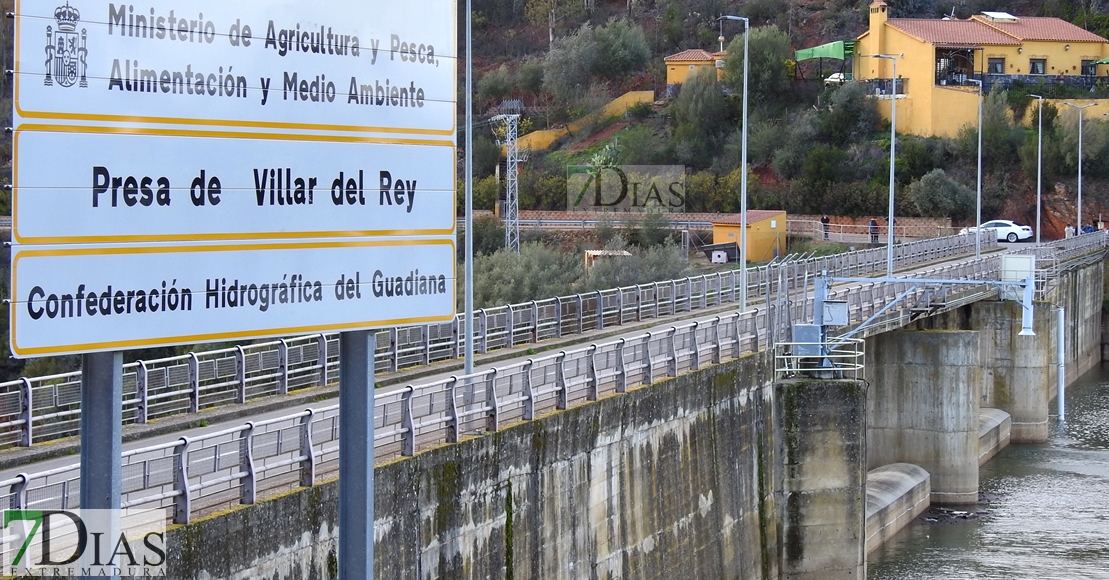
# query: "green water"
{"type": "Point", "coordinates": [1048, 503]}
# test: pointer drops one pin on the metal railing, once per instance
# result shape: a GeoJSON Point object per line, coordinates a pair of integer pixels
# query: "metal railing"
{"type": "Point", "coordinates": [194, 476]}
{"type": "Point", "coordinates": [39, 409]}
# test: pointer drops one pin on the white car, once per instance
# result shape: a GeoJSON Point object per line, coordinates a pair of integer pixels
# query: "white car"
{"type": "Point", "coordinates": [1006, 230]}
{"type": "Point", "coordinates": [835, 79]}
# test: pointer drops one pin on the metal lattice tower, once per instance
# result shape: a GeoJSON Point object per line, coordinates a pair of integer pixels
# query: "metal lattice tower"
{"type": "Point", "coordinates": [511, 190]}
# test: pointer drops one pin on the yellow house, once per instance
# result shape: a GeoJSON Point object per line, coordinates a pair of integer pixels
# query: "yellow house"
{"type": "Point", "coordinates": [679, 66]}
{"type": "Point", "coordinates": [766, 233]}
{"type": "Point", "coordinates": [936, 60]}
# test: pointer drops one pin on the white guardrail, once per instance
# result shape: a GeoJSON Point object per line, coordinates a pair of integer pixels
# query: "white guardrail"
{"type": "Point", "coordinates": [196, 476]}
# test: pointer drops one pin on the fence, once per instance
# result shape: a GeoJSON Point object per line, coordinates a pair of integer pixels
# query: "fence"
{"type": "Point", "coordinates": [195, 476]}
{"type": "Point", "coordinates": [39, 409]}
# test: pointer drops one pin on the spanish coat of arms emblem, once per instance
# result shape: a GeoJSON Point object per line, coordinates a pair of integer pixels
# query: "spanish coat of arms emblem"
{"type": "Point", "coordinates": [65, 49]}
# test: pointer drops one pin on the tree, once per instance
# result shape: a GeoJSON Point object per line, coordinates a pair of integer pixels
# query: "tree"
{"type": "Point", "coordinates": [769, 76]}
{"type": "Point", "coordinates": [937, 195]}
{"type": "Point", "coordinates": [569, 62]}
{"type": "Point", "coordinates": [851, 116]}
{"type": "Point", "coordinates": [529, 77]}
{"type": "Point", "coordinates": [550, 12]}
{"type": "Point", "coordinates": [494, 85]}
{"type": "Point", "coordinates": [1000, 137]}
{"type": "Point", "coordinates": [700, 103]}
{"type": "Point", "coordinates": [621, 49]}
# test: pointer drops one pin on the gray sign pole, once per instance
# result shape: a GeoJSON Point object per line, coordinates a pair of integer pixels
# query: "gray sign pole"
{"type": "Point", "coordinates": [101, 430]}
{"type": "Point", "coordinates": [356, 454]}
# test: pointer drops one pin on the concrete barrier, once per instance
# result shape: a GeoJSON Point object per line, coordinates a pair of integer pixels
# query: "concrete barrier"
{"type": "Point", "coordinates": [895, 495]}
{"type": "Point", "coordinates": [994, 433]}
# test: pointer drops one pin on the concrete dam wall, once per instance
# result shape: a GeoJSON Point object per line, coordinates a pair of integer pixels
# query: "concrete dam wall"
{"type": "Point", "coordinates": [689, 478]}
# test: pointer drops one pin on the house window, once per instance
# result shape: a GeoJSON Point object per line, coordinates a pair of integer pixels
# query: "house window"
{"type": "Point", "coordinates": [1037, 66]}
{"type": "Point", "coordinates": [1089, 68]}
{"type": "Point", "coordinates": [996, 66]}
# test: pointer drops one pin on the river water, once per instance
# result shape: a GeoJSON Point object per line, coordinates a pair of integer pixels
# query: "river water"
{"type": "Point", "coordinates": [1048, 508]}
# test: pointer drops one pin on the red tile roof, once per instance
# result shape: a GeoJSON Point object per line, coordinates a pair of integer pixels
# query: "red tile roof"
{"type": "Point", "coordinates": [753, 215]}
{"type": "Point", "coordinates": [958, 32]}
{"type": "Point", "coordinates": [1042, 28]}
{"type": "Point", "coordinates": [691, 54]}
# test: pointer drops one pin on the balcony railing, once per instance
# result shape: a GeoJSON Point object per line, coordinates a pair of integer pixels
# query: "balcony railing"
{"type": "Point", "coordinates": [886, 87]}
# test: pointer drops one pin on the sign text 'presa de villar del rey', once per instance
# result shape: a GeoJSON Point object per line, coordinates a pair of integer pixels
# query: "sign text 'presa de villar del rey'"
{"type": "Point", "coordinates": [210, 170]}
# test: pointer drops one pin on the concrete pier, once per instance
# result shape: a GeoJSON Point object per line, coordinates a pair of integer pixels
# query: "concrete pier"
{"type": "Point", "coordinates": [923, 407]}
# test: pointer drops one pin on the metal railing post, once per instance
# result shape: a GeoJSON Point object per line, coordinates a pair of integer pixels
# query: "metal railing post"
{"type": "Point", "coordinates": [621, 373]}
{"type": "Point", "coordinates": [509, 327]}
{"type": "Point", "coordinates": [454, 338]}
{"type": "Point", "coordinates": [695, 357]}
{"type": "Point", "coordinates": [408, 444]}
{"type": "Point", "coordinates": [18, 492]}
{"type": "Point", "coordinates": [427, 343]}
{"type": "Point", "coordinates": [27, 433]}
{"type": "Point", "coordinates": [182, 502]}
{"type": "Point", "coordinates": [649, 374]}
{"type": "Point", "coordinates": [494, 418]}
{"type": "Point", "coordinates": [308, 464]}
{"type": "Point", "coordinates": [321, 358]}
{"type": "Point", "coordinates": [558, 317]}
{"type": "Point", "coordinates": [142, 414]}
{"type": "Point", "coordinates": [194, 383]}
{"type": "Point", "coordinates": [672, 367]}
{"type": "Point", "coordinates": [529, 395]}
{"type": "Point", "coordinates": [249, 492]}
{"type": "Point", "coordinates": [560, 382]}
{"type": "Point", "coordinates": [483, 335]}
{"type": "Point", "coordinates": [600, 311]}
{"type": "Point", "coordinates": [591, 373]}
{"type": "Point", "coordinates": [283, 366]}
{"type": "Point", "coordinates": [394, 352]}
{"type": "Point", "coordinates": [452, 411]}
{"type": "Point", "coordinates": [717, 347]}
{"type": "Point", "coordinates": [656, 300]}
{"type": "Point", "coordinates": [534, 322]}
{"type": "Point", "coordinates": [581, 314]}
{"type": "Point", "coordinates": [240, 374]}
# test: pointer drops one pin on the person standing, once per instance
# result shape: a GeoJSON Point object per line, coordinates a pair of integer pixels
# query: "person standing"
{"type": "Point", "coordinates": [873, 231]}
{"type": "Point", "coordinates": [824, 224]}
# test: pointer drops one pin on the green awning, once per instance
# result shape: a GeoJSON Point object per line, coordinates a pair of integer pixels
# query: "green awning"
{"type": "Point", "coordinates": [840, 49]}
{"type": "Point", "coordinates": [1102, 61]}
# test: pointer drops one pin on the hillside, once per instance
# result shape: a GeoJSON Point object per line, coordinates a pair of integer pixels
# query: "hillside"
{"type": "Point", "coordinates": [811, 150]}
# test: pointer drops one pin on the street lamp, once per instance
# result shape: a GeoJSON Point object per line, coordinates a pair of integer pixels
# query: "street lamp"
{"type": "Point", "coordinates": [743, 178]}
{"type": "Point", "coordinates": [893, 148]}
{"type": "Point", "coordinates": [1039, 167]}
{"type": "Point", "coordinates": [1080, 109]}
{"type": "Point", "coordinates": [978, 195]}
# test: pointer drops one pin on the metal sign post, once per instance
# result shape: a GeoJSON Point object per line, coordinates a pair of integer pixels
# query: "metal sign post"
{"type": "Point", "coordinates": [356, 454]}
{"type": "Point", "coordinates": [101, 430]}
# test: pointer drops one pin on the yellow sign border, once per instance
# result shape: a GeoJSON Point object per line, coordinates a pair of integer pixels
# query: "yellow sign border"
{"type": "Point", "coordinates": [187, 237]}
{"type": "Point", "coordinates": [220, 336]}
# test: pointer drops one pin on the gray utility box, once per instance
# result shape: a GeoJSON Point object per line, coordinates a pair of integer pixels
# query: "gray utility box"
{"type": "Point", "coordinates": [806, 333]}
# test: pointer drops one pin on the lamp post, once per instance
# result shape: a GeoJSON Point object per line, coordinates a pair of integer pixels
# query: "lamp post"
{"type": "Point", "coordinates": [1080, 109]}
{"type": "Point", "coordinates": [743, 178]}
{"type": "Point", "coordinates": [978, 194]}
{"type": "Point", "coordinates": [893, 147]}
{"type": "Point", "coordinates": [1039, 167]}
{"type": "Point", "coordinates": [468, 290]}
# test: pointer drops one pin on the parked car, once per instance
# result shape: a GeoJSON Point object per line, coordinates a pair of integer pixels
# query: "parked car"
{"type": "Point", "coordinates": [835, 79]}
{"type": "Point", "coordinates": [1006, 230]}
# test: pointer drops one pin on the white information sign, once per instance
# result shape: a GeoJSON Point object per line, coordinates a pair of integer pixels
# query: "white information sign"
{"type": "Point", "coordinates": [75, 299]}
{"type": "Point", "coordinates": [342, 65]}
{"type": "Point", "coordinates": [172, 185]}
{"type": "Point", "coordinates": [214, 170]}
